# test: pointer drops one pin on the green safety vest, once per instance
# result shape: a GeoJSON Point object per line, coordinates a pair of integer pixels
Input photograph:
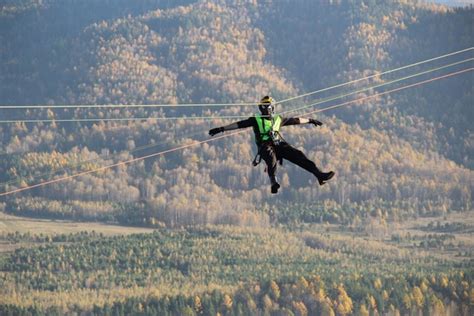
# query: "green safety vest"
{"type": "Point", "coordinates": [266, 127]}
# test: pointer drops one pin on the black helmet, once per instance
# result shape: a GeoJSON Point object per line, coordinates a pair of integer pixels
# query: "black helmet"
{"type": "Point", "coordinates": [267, 105]}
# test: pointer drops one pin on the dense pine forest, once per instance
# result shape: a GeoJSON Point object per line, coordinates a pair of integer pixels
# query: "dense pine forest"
{"type": "Point", "coordinates": [80, 85]}
{"type": "Point", "coordinates": [236, 271]}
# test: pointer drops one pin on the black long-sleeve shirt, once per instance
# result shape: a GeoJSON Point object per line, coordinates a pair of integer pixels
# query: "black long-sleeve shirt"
{"type": "Point", "coordinates": [252, 122]}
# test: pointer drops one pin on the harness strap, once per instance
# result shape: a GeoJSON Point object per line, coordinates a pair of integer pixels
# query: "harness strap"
{"type": "Point", "coordinates": [258, 157]}
{"type": "Point", "coordinates": [257, 160]}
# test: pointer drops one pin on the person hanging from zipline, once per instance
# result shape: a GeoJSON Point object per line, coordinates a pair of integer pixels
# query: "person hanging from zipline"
{"type": "Point", "coordinates": [272, 148]}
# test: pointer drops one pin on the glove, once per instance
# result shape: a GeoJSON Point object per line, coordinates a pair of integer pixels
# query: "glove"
{"type": "Point", "coordinates": [216, 130]}
{"type": "Point", "coordinates": [315, 122]}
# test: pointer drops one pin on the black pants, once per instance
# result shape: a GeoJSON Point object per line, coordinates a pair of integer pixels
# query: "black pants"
{"type": "Point", "coordinates": [272, 153]}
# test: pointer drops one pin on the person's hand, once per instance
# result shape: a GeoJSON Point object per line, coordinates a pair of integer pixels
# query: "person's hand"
{"type": "Point", "coordinates": [315, 122]}
{"type": "Point", "coordinates": [215, 131]}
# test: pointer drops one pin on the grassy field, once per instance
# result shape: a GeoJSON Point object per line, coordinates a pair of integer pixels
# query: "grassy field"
{"type": "Point", "coordinates": [11, 224]}
{"type": "Point", "coordinates": [22, 225]}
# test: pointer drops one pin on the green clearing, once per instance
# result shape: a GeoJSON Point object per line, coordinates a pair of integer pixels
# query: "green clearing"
{"type": "Point", "coordinates": [10, 224]}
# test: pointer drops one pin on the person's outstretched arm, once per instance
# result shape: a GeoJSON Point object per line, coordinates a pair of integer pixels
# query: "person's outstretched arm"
{"type": "Point", "coordinates": [300, 120]}
{"type": "Point", "coordinates": [240, 124]}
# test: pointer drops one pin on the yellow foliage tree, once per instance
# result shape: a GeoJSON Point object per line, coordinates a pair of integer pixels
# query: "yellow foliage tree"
{"type": "Point", "coordinates": [302, 283]}
{"type": "Point", "coordinates": [326, 309]}
{"type": "Point", "coordinates": [444, 281]}
{"type": "Point", "coordinates": [344, 302]}
{"type": "Point", "coordinates": [300, 309]}
{"type": "Point", "coordinates": [267, 303]}
{"type": "Point", "coordinates": [406, 301]}
{"type": "Point", "coordinates": [227, 301]}
{"type": "Point", "coordinates": [363, 310]}
{"type": "Point", "coordinates": [378, 283]}
{"type": "Point", "coordinates": [418, 297]}
{"type": "Point", "coordinates": [197, 304]}
{"type": "Point", "coordinates": [372, 302]}
{"type": "Point", "coordinates": [438, 306]}
{"type": "Point", "coordinates": [274, 290]}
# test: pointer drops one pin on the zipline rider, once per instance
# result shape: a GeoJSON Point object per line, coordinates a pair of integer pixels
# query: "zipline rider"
{"type": "Point", "coordinates": [271, 146]}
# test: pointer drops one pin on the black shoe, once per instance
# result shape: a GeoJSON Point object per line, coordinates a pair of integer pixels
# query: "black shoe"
{"type": "Point", "coordinates": [325, 176]}
{"type": "Point", "coordinates": [275, 187]}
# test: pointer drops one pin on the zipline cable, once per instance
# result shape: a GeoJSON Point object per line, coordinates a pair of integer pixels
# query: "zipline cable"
{"type": "Point", "coordinates": [230, 104]}
{"type": "Point", "coordinates": [389, 91]}
{"type": "Point", "coordinates": [234, 116]}
{"type": "Point", "coordinates": [122, 163]}
{"type": "Point", "coordinates": [126, 119]}
{"type": "Point", "coordinates": [195, 143]}
{"type": "Point", "coordinates": [80, 163]}
{"type": "Point", "coordinates": [68, 168]}
{"type": "Point", "coordinates": [114, 106]}
{"type": "Point", "coordinates": [143, 119]}
{"type": "Point", "coordinates": [378, 74]}
{"type": "Point", "coordinates": [377, 86]}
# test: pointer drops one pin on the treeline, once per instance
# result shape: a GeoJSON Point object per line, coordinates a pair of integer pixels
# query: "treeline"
{"type": "Point", "coordinates": [361, 295]}
{"type": "Point", "coordinates": [446, 227]}
{"type": "Point", "coordinates": [18, 237]}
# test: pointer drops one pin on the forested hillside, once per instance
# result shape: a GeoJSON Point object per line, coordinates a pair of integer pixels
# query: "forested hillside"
{"type": "Point", "coordinates": [89, 88]}
{"type": "Point", "coordinates": [397, 156]}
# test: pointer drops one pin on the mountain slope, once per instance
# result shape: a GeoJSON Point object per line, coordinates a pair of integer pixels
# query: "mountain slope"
{"type": "Point", "coordinates": [413, 146]}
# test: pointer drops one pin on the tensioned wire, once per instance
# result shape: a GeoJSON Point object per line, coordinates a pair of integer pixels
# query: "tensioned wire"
{"type": "Point", "coordinates": [148, 118]}
{"type": "Point", "coordinates": [232, 104]}
{"type": "Point", "coordinates": [376, 75]}
{"type": "Point", "coordinates": [389, 91]}
{"type": "Point", "coordinates": [223, 136]}
{"type": "Point", "coordinates": [280, 102]}
{"type": "Point", "coordinates": [80, 163]}
{"type": "Point", "coordinates": [332, 98]}
{"type": "Point", "coordinates": [70, 167]}
{"type": "Point", "coordinates": [115, 165]}
{"type": "Point", "coordinates": [376, 86]}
